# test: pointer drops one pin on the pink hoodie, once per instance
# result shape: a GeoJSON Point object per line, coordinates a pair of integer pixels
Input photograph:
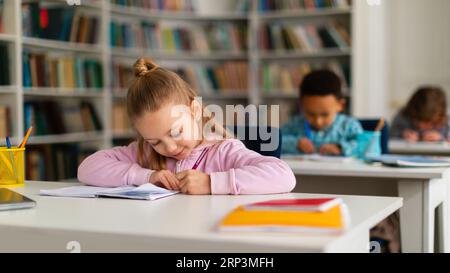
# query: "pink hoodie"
{"type": "Point", "coordinates": [233, 168]}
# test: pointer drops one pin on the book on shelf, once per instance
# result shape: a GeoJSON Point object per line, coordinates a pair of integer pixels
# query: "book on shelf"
{"type": "Point", "coordinates": [52, 118]}
{"type": "Point", "coordinates": [4, 65]}
{"type": "Point", "coordinates": [122, 75]}
{"type": "Point", "coordinates": [60, 23]}
{"type": "Point", "coordinates": [54, 162]}
{"type": "Point", "coordinates": [306, 38]}
{"type": "Point", "coordinates": [289, 216]}
{"type": "Point", "coordinates": [158, 5]}
{"type": "Point", "coordinates": [2, 10]}
{"type": "Point", "coordinates": [307, 5]}
{"type": "Point", "coordinates": [56, 71]}
{"type": "Point", "coordinates": [120, 119]}
{"type": "Point", "coordinates": [5, 121]}
{"type": "Point", "coordinates": [218, 36]}
{"type": "Point", "coordinates": [286, 78]}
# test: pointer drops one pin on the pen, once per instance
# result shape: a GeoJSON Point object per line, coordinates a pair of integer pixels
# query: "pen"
{"type": "Point", "coordinates": [200, 158]}
{"type": "Point", "coordinates": [8, 144]}
{"type": "Point", "coordinates": [307, 130]}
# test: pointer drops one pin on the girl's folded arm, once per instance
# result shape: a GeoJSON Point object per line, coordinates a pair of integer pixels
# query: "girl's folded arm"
{"type": "Point", "coordinates": [113, 168]}
{"type": "Point", "coordinates": [248, 172]}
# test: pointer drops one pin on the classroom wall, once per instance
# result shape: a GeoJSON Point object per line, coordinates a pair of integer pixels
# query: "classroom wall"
{"type": "Point", "coordinates": [399, 45]}
{"type": "Point", "coordinates": [419, 47]}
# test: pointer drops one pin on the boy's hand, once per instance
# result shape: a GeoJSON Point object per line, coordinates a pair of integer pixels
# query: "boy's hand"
{"type": "Point", "coordinates": [306, 146]}
{"type": "Point", "coordinates": [194, 182]}
{"type": "Point", "coordinates": [410, 135]}
{"type": "Point", "coordinates": [432, 136]}
{"type": "Point", "coordinates": [330, 149]}
{"type": "Point", "coordinates": [165, 178]}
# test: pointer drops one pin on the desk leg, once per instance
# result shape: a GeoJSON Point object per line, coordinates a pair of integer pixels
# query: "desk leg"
{"type": "Point", "coordinates": [411, 216]}
{"type": "Point", "coordinates": [435, 203]}
{"type": "Point", "coordinates": [417, 216]}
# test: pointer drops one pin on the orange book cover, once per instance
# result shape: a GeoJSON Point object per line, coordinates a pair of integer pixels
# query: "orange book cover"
{"type": "Point", "coordinates": [333, 220]}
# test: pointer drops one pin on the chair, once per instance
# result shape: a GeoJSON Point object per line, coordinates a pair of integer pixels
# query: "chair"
{"type": "Point", "coordinates": [255, 144]}
{"type": "Point", "coordinates": [370, 125]}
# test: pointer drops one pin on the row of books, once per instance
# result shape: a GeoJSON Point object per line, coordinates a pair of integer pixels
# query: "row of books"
{"type": "Point", "coordinates": [54, 162]}
{"type": "Point", "coordinates": [46, 70]}
{"type": "Point", "coordinates": [306, 38]}
{"type": "Point", "coordinates": [162, 5]}
{"type": "Point", "coordinates": [221, 36]}
{"type": "Point", "coordinates": [60, 23]}
{"type": "Point", "coordinates": [5, 121]}
{"type": "Point", "coordinates": [325, 215]}
{"type": "Point", "coordinates": [224, 78]}
{"type": "Point", "coordinates": [4, 65]}
{"type": "Point", "coordinates": [287, 78]}
{"type": "Point", "coordinates": [70, 116]}
{"type": "Point", "coordinates": [284, 5]}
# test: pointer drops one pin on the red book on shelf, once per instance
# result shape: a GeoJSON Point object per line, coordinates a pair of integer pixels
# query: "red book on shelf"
{"type": "Point", "coordinates": [319, 205]}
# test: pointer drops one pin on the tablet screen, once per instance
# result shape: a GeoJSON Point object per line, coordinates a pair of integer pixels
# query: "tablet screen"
{"type": "Point", "coordinates": [12, 200]}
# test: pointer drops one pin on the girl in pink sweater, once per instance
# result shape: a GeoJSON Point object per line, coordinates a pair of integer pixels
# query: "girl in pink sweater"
{"type": "Point", "coordinates": [169, 147]}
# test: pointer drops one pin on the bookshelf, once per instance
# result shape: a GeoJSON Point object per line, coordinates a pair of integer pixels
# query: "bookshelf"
{"type": "Point", "coordinates": [243, 15]}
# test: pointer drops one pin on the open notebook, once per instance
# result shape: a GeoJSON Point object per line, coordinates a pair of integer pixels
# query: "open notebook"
{"type": "Point", "coordinates": [410, 161]}
{"type": "Point", "coordinates": [145, 192]}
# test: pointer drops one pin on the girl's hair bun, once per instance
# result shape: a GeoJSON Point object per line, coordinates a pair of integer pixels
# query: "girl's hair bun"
{"type": "Point", "coordinates": [144, 66]}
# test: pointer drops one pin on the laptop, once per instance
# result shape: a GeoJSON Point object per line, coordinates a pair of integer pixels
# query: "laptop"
{"type": "Point", "coordinates": [11, 200]}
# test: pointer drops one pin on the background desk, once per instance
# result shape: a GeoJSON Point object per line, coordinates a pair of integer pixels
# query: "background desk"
{"type": "Point", "coordinates": [424, 191]}
{"type": "Point", "coordinates": [420, 148]}
{"type": "Point", "coordinates": [175, 224]}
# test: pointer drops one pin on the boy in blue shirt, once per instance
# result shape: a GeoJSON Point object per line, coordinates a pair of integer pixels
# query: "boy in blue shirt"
{"type": "Point", "coordinates": [321, 128]}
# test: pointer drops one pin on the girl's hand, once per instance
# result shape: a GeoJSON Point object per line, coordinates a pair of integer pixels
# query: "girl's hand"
{"type": "Point", "coordinates": [194, 182]}
{"type": "Point", "coordinates": [410, 135]}
{"type": "Point", "coordinates": [306, 146]}
{"type": "Point", "coordinates": [330, 149]}
{"type": "Point", "coordinates": [165, 178]}
{"type": "Point", "coordinates": [432, 136]}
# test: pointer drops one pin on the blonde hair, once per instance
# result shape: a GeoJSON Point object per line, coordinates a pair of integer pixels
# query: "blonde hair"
{"type": "Point", "coordinates": [153, 88]}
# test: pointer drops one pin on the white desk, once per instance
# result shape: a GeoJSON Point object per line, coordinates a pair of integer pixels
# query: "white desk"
{"type": "Point", "coordinates": [424, 191]}
{"type": "Point", "coordinates": [420, 148]}
{"type": "Point", "coordinates": [175, 224]}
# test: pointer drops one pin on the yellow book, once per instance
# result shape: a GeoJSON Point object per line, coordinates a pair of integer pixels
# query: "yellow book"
{"type": "Point", "coordinates": [334, 220]}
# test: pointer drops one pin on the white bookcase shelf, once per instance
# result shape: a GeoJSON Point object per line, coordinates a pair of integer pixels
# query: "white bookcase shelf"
{"type": "Point", "coordinates": [16, 95]}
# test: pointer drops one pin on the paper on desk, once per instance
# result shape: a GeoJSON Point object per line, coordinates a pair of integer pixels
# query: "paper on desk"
{"type": "Point", "coordinates": [145, 192]}
{"type": "Point", "coordinates": [320, 158]}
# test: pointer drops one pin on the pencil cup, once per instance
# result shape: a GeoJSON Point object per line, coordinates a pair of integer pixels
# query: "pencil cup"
{"type": "Point", "coordinates": [369, 144]}
{"type": "Point", "coordinates": [12, 167]}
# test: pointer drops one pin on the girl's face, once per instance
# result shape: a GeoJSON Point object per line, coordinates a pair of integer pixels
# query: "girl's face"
{"type": "Point", "coordinates": [173, 130]}
{"type": "Point", "coordinates": [429, 124]}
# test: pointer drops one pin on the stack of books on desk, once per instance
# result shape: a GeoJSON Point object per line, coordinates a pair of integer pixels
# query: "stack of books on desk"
{"type": "Point", "coordinates": [292, 215]}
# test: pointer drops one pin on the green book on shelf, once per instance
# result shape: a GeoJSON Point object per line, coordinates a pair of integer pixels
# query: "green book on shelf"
{"type": "Point", "coordinates": [169, 39]}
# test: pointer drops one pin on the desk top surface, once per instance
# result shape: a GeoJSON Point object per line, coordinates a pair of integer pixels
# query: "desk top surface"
{"type": "Point", "coordinates": [357, 168]}
{"type": "Point", "coordinates": [181, 216]}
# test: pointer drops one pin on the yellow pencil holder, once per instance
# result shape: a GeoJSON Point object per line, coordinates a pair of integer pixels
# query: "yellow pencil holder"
{"type": "Point", "coordinates": [12, 167]}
